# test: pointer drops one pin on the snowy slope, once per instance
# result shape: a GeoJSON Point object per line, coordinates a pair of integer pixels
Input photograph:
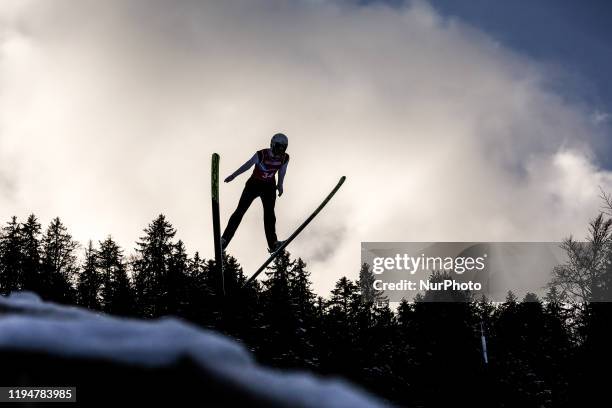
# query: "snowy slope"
{"type": "Point", "coordinates": [28, 325]}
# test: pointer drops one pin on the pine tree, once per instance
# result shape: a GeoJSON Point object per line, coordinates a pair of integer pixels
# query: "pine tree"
{"type": "Point", "coordinates": [378, 351]}
{"type": "Point", "coordinates": [511, 299]}
{"type": "Point", "coordinates": [176, 281]}
{"type": "Point", "coordinates": [320, 307]}
{"type": "Point", "coordinates": [279, 313]}
{"type": "Point", "coordinates": [89, 281]}
{"type": "Point", "coordinates": [344, 297]}
{"type": "Point", "coordinates": [369, 295]}
{"type": "Point", "coordinates": [340, 352]}
{"type": "Point", "coordinates": [521, 354]}
{"type": "Point", "coordinates": [554, 296]}
{"type": "Point", "coordinates": [199, 294]}
{"type": "Point", "coordinates": [117, 294]}
{"type": "Point", "coordinates": [300, 289]}
{"type": "Point", "coordinates": [302, 298]}
{"type": "Point", "coordinates": [59, 263]}
{"type": "Point", "coordinates": [241, 307]}
{"type": "Point", "coordinates": [11, 260]}
{"type": "Point", "coordinates": [151, 265]}
{"type": "Point", "coordinates": [31, 254]}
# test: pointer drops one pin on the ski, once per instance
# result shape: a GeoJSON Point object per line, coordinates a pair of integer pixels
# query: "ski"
{"type": "Point", "coordinates": [214, 184]}
{"type": "Point", "coordinates": [296, 232]}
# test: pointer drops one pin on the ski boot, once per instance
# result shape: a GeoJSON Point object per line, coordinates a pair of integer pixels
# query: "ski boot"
{"type": "Point", "coordinates": [275, 247]}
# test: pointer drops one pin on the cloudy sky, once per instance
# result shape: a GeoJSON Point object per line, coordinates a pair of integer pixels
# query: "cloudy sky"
{"type": "Point", "coordinates": [453, 121]}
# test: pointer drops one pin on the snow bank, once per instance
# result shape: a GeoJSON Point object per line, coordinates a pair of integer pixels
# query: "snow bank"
{"type": "Point", "coordinates": [29, 325]}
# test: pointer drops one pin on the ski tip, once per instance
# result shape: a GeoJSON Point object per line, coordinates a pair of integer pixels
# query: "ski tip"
{"type": "Point", "coordinates": [342, 179]}
{"type": "Point", "coordinates": [215, 156]}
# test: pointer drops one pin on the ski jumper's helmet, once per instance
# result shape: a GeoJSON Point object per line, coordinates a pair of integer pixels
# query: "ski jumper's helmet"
{"type": "Point", "coordinates": [279, 143]}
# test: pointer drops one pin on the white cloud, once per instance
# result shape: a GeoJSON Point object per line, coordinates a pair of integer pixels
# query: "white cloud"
{"type": "Point", "coordinates": [112, 109]}
{"type": "Point", "coordinates": [600, 117]}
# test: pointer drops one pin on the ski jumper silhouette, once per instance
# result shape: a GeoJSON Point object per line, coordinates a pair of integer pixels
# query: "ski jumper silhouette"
{"type": "Point", "coordinates": [262, 183]}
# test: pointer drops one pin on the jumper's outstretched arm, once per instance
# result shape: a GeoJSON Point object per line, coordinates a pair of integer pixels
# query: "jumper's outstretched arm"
{"type": "Point", "coordinates": [250, 163]}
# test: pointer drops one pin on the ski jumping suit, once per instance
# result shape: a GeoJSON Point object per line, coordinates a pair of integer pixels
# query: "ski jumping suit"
{"type": "Point", "coordinates": [261, 184]}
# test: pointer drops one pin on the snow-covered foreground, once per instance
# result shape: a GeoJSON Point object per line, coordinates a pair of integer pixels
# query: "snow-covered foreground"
{"type": "Point", "coordinates": [28, 325]}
